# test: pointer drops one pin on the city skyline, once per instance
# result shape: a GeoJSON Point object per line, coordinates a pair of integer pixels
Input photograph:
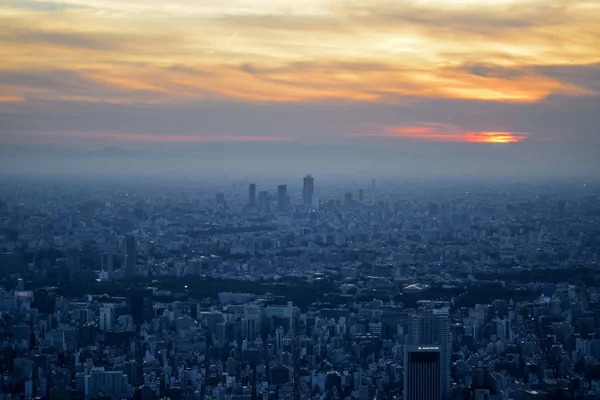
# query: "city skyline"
{"type": "Point", "coordinates": [500, 86]}
{"type": "Point", "coordinates": [185, 290]}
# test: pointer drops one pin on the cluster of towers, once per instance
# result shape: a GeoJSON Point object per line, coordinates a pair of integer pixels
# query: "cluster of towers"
{"type": "Point", "coordinates": [283, 200]}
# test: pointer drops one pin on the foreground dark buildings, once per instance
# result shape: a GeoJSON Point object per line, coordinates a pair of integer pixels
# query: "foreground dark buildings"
{"type": "Point", "coordinates": [297, 291]}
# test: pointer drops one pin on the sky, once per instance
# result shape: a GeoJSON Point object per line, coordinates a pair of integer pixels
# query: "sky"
{"type": "Point", "coordinates": [419, 87]}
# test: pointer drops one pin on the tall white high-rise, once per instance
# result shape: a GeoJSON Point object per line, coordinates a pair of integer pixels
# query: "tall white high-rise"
{"type": "Point", "coordinates": [432, 329]}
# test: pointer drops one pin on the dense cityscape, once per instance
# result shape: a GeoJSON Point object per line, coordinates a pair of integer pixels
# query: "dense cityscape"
{"type": "Point", "coordinates": [369, 289]}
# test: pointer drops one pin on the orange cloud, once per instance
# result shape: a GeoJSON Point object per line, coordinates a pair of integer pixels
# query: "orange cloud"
{"type": "Point", "coordinates": [11, 99]}
{"type": "Point", "coordinates": [359, 51]}
{"type": "Point", "coordinates": [451, 133]}
{"type": "Point", "coordinates": [294, 82]}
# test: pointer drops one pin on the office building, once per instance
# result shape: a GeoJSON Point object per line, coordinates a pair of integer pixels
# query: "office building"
{"type": "Point", "coordinates": [133, 371]}
{"type": "Point", "coordinates": [252, 195]}
{"type": "Point", "coordinates": [282, 198]}
{"type": "Point", "coordinates": [288, 313]}
{"type": "Point", "coordinates": [432, 329]}
{"type": "Point", "coordinates": [422, 373]}
{"type": "Point", "coordinates": [130, 256]}
{"type": "Point", "coordinates": [107, 264]}
{"type": "Point", "coordinates": [251, 321]}
{"type": "Point", "coordinates": [140, 305]}
{"type": "Point", "coordinates": [29, 389]}
{"type": "Point", "coordinates": [315, 203]}
{"type": "Point", "coordinates": [250, 328]}
{"type": "Point", "coordinates": [263, 202]}
{"type": "Point", "coordinates": [361, 195]}
{"type": "Point", "coordinates": [112, 383]}
{"type": "Point", "coordinates": [107, 317]}
{"type": "Point", "coordinates": [21, 334]}
{"type": "Point", "coordinates": [308, 190]}
{"type": "Point", "coordinates": [373, 191]}
{"type": "Point", "coordinates": [73, 264]}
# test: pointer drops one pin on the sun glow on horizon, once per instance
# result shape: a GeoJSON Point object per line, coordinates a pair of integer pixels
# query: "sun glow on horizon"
{"type": "Point", "coordinates": [496, 137]}
{"type": "Point", "coordinates": [437, 132]}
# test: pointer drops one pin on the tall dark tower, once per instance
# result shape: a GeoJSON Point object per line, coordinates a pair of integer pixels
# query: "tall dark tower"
{"type": "Point", "coordinates": [308, 190]}
{"type": "Point", "coordinates": [254, 396]}
{"type": "Point", "coordinates": [282, 198]}
{"type": "Point", "coordinates": [361, 195]}
{"type": "Point", "coordinates": [130, 256]}
{"type": "Point", "coordinates": [422, 373]}
{"type": "Point", "coordinates": [107, 264]}
{"type": "Point", "coordinates": [296, 355]}
{"type": "Point", "coordinates": [263, 202]}
{"type": "Point", "coordinates": [432, 329]}
{"type": "Point", "coordinates": [73, 263]}
{"type": "Point", "coordinates": [140, 304]}
{"type": "Point", "coordinates": [252, 195]}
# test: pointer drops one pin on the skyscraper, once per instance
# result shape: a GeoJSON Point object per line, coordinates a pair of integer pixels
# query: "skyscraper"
{"type": "Point", "coordinates": [73, 263]}
{"type": "Point", "coordinates": [422, 373]}
{"type": "Point", "coordinates": [107, 316]}
{"type": "Point", "coordinates": [373, 191]}
{"type": "Point", "coordinates": [130, 256]}
{"type": "Point", "coordinates": [263, 202]}
{"type": "Point", "coordinates": [140, 305]}
{"type": "Point", "coordinates": [282, 198]}
{"type": "Point", "coordinates": [361, 195]}
{"type": "Point", "coordinates": [308, 190]}
{"type": "Point", "coordinates": [432, 329]}
{"type": "Point", "coordinates": [252, 195]}
{"type": "Point", "coordinates": [106, 264]}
